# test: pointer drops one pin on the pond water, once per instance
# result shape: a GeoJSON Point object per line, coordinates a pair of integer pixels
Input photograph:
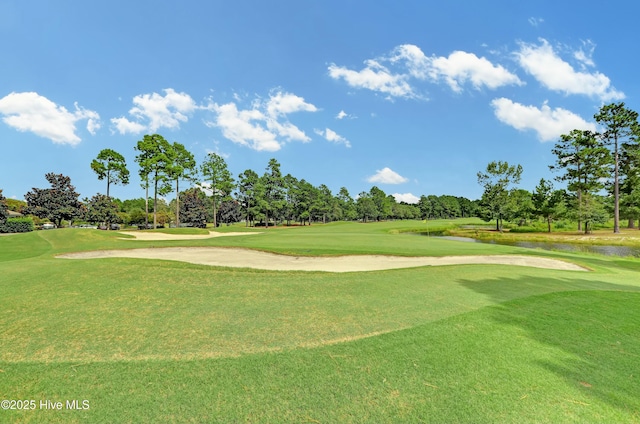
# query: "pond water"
{"type": "Point", "coordinates": [601, 250]}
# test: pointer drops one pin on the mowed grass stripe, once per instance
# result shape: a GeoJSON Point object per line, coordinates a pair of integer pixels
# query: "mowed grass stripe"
{"type": "Point", "coordinates": [540, 359]}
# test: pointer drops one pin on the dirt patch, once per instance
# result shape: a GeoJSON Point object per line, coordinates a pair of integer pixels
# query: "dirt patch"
{"type": "Point", "coordinates": [244, 258]}
{"type": "Point", "coordinates": [144, 236]}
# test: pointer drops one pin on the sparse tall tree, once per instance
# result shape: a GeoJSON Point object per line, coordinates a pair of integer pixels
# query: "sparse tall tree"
{"type": "Point", "coordinates": [215, 172]}
{"type": "Point", "coordinates": [347, 204]}
{"type": "Point", "coordinates": [620, 125]}
{"type": "Point", "coordinates": [584, 163]}
{"type": "Point", "coordinates": [111, 165]}
{"type": "Point", "coordinates": [248, 182]}
{"type": "Point", "coordinates": [154, 160]}
{"type": "Point", "coordinates": [273, 183]}
{"type": "Point", "coordinates": [181, 165]}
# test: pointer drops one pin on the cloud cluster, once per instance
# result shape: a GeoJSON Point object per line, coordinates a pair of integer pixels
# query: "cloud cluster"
{"type": "Point", "coordinates": [29, 111]}
{"type": "Point", "coordinates": [265, 125]}
{"type": "Point", "coordinates": [387, 176]}
{"type": "Point", "coordinates": [154, 111]}
{"type": "Point", "coordinates": [543, 63]}
{"type": "Point", "coordinates": [396, 76]}
{"type": "Point", "coordinates": [393, 75]}
{"type": "Point", "coordinates": [546, 122]}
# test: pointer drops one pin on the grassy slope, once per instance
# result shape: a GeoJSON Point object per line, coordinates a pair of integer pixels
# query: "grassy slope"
{"type": "Point", "coordinates": [149, 341]}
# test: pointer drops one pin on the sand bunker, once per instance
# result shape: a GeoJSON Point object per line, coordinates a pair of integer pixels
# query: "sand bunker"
{"type": "Point", "coordinates": [244, 258]}
{"type": "Point", "coordinates": [144, 236]}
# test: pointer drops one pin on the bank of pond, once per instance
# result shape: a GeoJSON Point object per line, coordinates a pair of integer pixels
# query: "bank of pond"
{"type": "Point", "coordinates": [622, 251]}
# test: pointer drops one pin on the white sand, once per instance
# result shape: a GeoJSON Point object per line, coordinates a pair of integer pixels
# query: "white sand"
{"type": "Point", "coordinates": [145, 236]}
{"type": "Point", "coordinates": [244, 258]}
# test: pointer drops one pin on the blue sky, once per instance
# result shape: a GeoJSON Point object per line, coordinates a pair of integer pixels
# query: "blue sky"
{"type": "Point", "coordinates": [415, 97]}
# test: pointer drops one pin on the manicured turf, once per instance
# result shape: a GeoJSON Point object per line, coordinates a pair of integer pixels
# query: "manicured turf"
{"type": "Point", "coordinates": [163, 341]}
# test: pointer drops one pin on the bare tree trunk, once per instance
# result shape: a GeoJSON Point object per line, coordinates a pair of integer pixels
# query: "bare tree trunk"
{"type": "Point", "coordinates": [579, 209]}
{"type": "Point", "coordinates": [177, 205]}
{"type": "Point", "coordinates": [146, 205]}
{"type": "Point", "coordinates": [155, 202]}
{"type": "Point", "coordinates": [616, 192]}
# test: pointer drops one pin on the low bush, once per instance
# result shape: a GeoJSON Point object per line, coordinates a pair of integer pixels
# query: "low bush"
{"type": "Point", "coordinates": [17, 225]}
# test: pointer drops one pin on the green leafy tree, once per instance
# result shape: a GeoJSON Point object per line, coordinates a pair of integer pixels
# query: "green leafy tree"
{"type": "Point", "coordinates": [520, 207]}
{"type": "Point", "coordinates": [111, 165]}
{"type": "Point", "coordinates": [592, 211]}
{"type": "Point", "coordinates": [450, 206]}
{"type": "Point", "coordinates": [347, 204]}
{"type": "Point", "coordinates": [273, 193]}
{"type": "Point", "coordinates": [324, 202]}
{"type": "Point", "coordinates": [467, 207]}
{"type": "Point", "coordinates": [584, 164]}
{"type": "Point", "coordinates": [620, 126]}
{"type": "Point", "coordinates": [366, 207]}
{"type": "Point", "coordinates": [306, 201]}
{"type": "Point", "coordinates": [181, 165]}
{"type": "Point", "coordinates": [216, 174]}
{"type": "Point", "coordinates": [248, 193]}
{"type": "Point", "coordinates": [58, 203]}
{"type": "Point", "coordinates": [137, 216]}
{"type": "Point", "coordinates": [383, 204]}
{"type": "Point", "coordinates": [154, 158]}
{"type": "Point", "coordinates": [547, 202]}
{"type": "Point", "coordinates": [425, 207]}
{"type": "Point", "coordinates": [630, 183]}
{"type": "Point", "coordinates": [101, 209]}
{"type": "Point", "coordinates": [291, 197]}
{"type": "Point", "coordinates": [497, 181]}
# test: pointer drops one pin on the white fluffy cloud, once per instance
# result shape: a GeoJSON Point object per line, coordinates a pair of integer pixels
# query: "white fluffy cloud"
{"type": "Point", "coordinates": [29, 111]}
{"type": "Point", "coordinates": [548, 123]}
{"type": "Point", "coordinates": [333, 137]}
{"type": "Point", "coordinates": [546, 66]}
{"type": "Point", "coordinates": [387, 176]}
{"type": "Point", "coordinates": [461, 67]}
{"type": "Point", "coordinates": [411, 64]}
{"type": "Point", "coordinates": [154, 111]}
{"type": "Point", "coordinates": [263, 127]}
{"type": "Point", "coordinates": [375, 77]}
{"type": "Point", "coordinates": [406, 197]}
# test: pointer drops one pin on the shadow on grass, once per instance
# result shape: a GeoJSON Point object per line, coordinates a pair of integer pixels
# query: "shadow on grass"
{"type": "Point", "coordinates": [597, 329]}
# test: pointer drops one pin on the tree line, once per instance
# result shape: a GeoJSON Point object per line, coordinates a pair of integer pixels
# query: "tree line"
{"type": "Point", "coordinates": [214, 195]}
{"type": "Point", "coordinates": [601, 171]}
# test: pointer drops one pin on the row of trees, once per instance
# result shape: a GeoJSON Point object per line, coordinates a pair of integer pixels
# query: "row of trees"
{"type": "Point", "coordinates": [258, 201]}
{"type": "Point", "coordinates": [269, 197]}
{"type": "Point", "coordinates": [589, 163]}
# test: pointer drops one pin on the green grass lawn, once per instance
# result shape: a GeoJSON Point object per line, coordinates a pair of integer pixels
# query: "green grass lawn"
{"type": "Point", "coordinates": [163, 341]}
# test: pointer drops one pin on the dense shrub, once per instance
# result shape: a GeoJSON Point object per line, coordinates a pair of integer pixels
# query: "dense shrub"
{"type": "Point", "coordinates": [17, 225]}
